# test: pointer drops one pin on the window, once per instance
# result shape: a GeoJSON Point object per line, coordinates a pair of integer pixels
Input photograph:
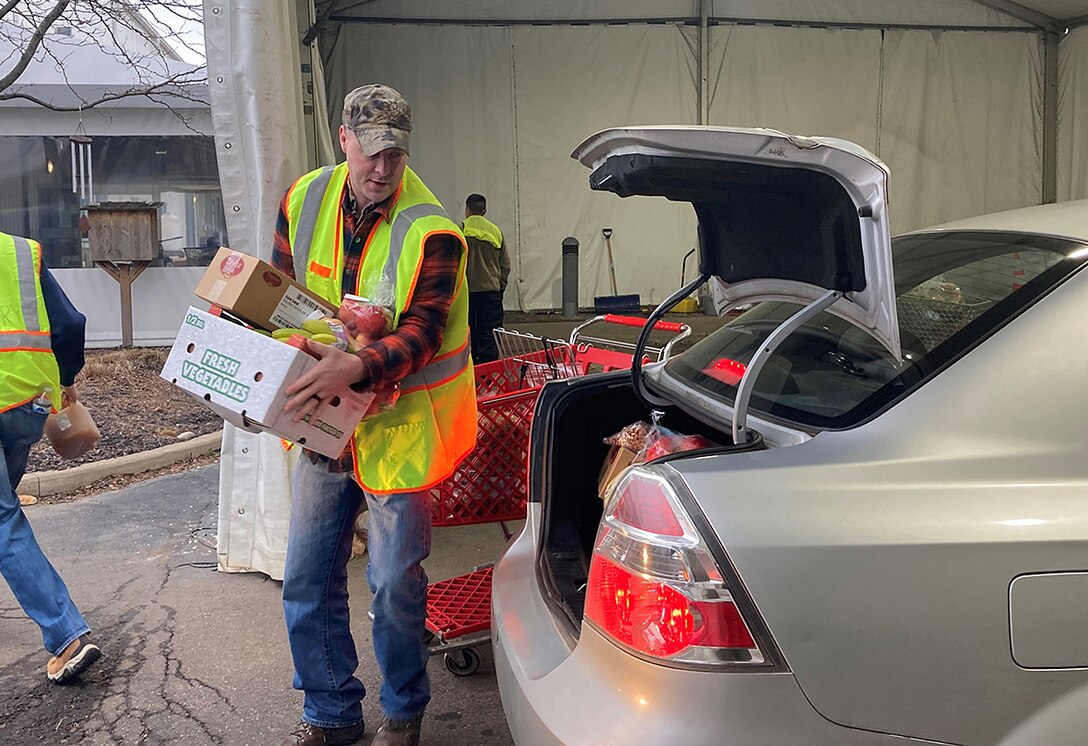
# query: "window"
{"type": "Point", "coordinates": [37, 199]}
{"type": "Point", "coordinates": [952, 290]}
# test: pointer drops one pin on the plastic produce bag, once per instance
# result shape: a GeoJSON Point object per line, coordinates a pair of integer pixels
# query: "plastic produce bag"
{"type": "Point", "coordinates": [661, 441]}
{"type": "Point", "coordinates": [365, 322]}
{"type": "Point", "coordinates": [651, 441]}
{"type": "Point", "coordinates": [633, 437]}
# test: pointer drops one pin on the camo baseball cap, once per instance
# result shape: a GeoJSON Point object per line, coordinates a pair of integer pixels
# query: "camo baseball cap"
{"type": "Point", "coordinates": [379, 116]}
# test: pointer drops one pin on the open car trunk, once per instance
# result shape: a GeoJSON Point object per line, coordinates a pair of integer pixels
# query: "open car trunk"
{"type": "Point", "coordinates": [567, 449]}
{"type": "Point", "coordinates": [780, 218]}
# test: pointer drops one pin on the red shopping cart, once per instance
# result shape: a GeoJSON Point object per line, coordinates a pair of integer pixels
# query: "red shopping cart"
{"type": "Point", "coordinates": [490, 485]}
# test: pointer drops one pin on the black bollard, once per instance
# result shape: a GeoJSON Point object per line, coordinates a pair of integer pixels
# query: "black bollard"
{"type": "Point", "coordinates": [570, 277]}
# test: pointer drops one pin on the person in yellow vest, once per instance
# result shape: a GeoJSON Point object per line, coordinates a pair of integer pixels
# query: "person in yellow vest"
{"type": "Point", "coordinates": [371, 227]}
{"type": "Point", "coordinates": [41, 351]}
{"type": "Point", "coordinates": [488, 272]}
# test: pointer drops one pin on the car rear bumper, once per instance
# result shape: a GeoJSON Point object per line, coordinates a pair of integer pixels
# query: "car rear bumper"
{"type": "Point", "coordinates": [560, 692]}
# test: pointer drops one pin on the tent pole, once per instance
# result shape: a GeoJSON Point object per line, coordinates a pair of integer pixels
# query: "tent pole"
{"type": "Point", "coordinates": [319, 25]}
{"type": "Point", "coordinates": [704, 61]}
{"type": "Point", "coordinates": [1050, 117]}
{"type": "Point", "coordinates": [306, 54]}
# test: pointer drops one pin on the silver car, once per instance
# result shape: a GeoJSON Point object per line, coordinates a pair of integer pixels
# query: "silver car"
{"type": "Point", "coordinates": [890, 542]}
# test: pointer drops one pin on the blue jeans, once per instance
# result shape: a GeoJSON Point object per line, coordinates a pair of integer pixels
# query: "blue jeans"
{"type": "Point", "coordinates": [315, 596]}
{"type": "Point", "coordinates": [36, 585]}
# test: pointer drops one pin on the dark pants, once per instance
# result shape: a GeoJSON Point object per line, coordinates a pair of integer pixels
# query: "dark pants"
{"type": "Point", "coordinates": [484, 316]}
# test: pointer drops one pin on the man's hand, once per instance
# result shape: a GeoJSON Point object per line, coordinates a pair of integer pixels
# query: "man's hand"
{"type": "Point", "coordinates": [335, 371]}
{"type": "Point", "coordinates": [67, 395]}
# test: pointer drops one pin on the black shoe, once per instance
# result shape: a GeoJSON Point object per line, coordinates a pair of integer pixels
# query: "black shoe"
{"type": "Point", "coordinates": [306, 734]}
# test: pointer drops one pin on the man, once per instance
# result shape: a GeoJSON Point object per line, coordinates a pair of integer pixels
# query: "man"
{"type": "Point", "coordinates": [370, 227]}
{"type": "Point", "coordinates": [488, 271]}
{"type": "Point", "coordinates": [41, 351]}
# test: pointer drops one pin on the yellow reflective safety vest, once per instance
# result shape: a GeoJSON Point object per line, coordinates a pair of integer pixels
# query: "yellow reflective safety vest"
{"type": "Point", "coordinates": [420, 441]}
{"type": "Point", "coordinates": [27, 364]}
{"type": "Point", "coordinates": [477, 226]}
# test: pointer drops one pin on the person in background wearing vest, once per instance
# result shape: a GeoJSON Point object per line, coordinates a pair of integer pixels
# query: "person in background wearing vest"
{"type": "Point", "coordinates": [41, 351]}
{"type": "Point", "coordinates": [488, 271]}
{"type": "Point", "coordinates": [345, 229]}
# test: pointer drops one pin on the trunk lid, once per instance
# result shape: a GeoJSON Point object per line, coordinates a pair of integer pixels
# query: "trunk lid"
{"type": "Point", "coordinates": [781, 217]}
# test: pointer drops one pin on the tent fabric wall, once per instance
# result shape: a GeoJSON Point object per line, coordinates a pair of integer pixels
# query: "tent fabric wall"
{"type": "Point", "coordinates": [955, 114]}
{"type": "Point", "coordinates": [256, 91]}
{"type": "Point", "coordinates": [1073, 115]}
{"type": "Point", "coordinates": [835, 97]}
{"type": "Point", "coordinates": [961, 124]}
{"type": "Point", "coordinates": [606, 76]}
{"type": "Point", "coordinates": [462, 108]}
{"type": "Point", "coordinates": [558, 84]}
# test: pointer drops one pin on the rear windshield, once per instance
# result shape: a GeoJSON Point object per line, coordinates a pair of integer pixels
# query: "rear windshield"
{"type": "Point", "coordinates": [952, 289]}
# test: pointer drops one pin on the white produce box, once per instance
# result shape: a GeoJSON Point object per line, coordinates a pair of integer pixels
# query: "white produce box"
{"type": "Point", "coordinates": [241, 376]}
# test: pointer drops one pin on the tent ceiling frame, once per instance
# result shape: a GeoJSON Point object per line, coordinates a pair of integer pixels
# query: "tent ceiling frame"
{"type": "Point", "coordinates": [322, 21]}
{"type": "Point", "coordinates": [694, 21]}
{"type": "Point", "coordinates": [729, 21]}
{"type": "Point", "coordinates": [1022, 13]}
{"type": "Point", "coordinates": [678, 20]}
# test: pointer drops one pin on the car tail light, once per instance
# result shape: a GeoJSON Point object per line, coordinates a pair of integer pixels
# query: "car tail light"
{"type": "Point", "coordinates": [654, 586]}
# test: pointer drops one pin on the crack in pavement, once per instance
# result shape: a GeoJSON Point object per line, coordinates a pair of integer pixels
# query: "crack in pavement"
{"type": "Point", "coordinates": [139, 694]}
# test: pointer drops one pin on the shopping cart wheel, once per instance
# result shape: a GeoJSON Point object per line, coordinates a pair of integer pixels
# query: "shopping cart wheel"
{"type": "Point", "coordinates": [462, 662]}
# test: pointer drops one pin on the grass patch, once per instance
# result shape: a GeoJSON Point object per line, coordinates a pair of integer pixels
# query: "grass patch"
{"type": "Point", "coordinates": [113, 364]}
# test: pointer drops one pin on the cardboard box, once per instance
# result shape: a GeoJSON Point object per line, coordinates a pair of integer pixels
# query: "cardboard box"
{"type": "Point", "coordinates": [615, 463]}
{"type": "Point", "coordinates": [257, 292]}
{"type": "Point", "coordinates": [241, 375]}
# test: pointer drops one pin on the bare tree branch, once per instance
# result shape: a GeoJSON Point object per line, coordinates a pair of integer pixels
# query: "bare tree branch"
{"type": "Point", "coordinates": [35, 42]}
{"type": "Point", "coordinates": [8, 8]}
{"type": "Point", "coordinates": [143, 38]}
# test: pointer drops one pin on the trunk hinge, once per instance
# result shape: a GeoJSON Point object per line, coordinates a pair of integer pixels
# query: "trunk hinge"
{"type": "Point", "coordinates": [748, 381]}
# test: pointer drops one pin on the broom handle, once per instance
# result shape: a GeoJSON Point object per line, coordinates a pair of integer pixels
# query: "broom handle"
{"type": "Point", "coordinates": [611, 265]}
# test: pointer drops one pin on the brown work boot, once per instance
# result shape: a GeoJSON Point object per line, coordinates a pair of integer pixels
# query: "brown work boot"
{"type": "Point", "coordinates": [76, 658]}
{"type": "Point", "coordinates": [398, 732]}
{"type": "Point", "coordinates": [306, 734]}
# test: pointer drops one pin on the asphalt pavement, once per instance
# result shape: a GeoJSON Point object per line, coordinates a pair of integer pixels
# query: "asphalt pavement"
{"type": "Point", "coordinates": [195, 656]}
